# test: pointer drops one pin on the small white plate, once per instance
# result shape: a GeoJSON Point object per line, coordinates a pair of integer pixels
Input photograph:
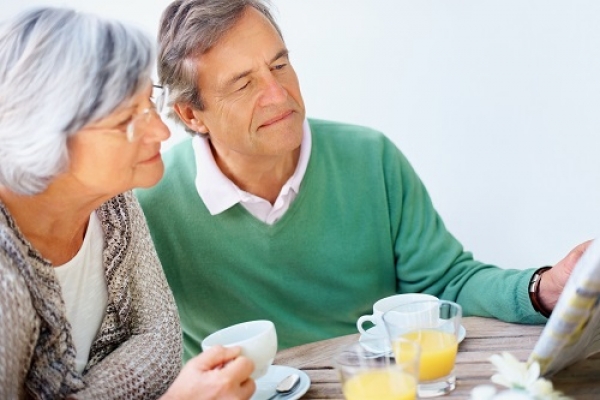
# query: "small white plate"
{"type": "Point", "coordinates": [373, 333]}
{"type": "Point", "coordinates": [265, 386]}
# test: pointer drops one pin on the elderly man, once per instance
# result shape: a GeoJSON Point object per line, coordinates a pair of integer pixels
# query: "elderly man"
{"type": "Point", "coordinates": [264, 214]}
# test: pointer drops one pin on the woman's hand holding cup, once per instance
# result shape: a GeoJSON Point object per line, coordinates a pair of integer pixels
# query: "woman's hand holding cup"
{"type": "Point", "coordinates": [217, 373]}
{"type": "Point", "coordinates": [257, 339]}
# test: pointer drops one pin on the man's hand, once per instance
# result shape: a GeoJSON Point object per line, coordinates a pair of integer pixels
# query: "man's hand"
{"type": "Point", "coordinates": [553, 281]}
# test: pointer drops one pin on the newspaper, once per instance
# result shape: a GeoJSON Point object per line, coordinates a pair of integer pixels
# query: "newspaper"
{"type": "Point", "coordinates": [573, 331]}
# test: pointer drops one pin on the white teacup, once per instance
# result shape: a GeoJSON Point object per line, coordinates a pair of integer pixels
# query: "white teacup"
{"type": "Point", "coordinates": [258, 340]}
{"type": "Point", "coordinates": [385, 304]}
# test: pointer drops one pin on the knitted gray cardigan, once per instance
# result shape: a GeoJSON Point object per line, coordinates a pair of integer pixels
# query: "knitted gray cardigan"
{"type": "Point", "coordinates": [137, 351]}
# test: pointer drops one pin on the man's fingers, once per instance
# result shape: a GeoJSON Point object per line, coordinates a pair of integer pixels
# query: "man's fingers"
{"type": "Point", "coordinates": [580, 249]}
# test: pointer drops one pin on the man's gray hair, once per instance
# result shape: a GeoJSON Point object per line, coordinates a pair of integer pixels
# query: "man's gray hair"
{"type": "Point", "coordinates": [190, 28]}
{"type": "Point", "coordinates": [59, 71]}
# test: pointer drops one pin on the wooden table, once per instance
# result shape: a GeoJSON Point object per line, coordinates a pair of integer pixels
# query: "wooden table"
{"type": "Point", "coordinates": [485, 337]}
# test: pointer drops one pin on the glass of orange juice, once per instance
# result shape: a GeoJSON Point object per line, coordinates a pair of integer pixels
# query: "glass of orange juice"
{"type": "Point", "coordinates": [369, 371]}
{"type": "Point", "coordinates": [434, 324]}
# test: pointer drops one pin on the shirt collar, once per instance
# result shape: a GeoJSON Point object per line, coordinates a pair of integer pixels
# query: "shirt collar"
{"type": "Point", "coordinates": [219, 193]}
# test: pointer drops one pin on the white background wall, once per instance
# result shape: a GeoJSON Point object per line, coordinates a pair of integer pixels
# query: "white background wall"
{"type": "Point", "coordinates": [496, 103]}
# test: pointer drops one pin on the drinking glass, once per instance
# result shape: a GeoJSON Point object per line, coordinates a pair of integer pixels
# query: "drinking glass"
{"type": "Point", "coordinates": [434, 324]}
{"type": "Point", "coordinates": [367, 373]}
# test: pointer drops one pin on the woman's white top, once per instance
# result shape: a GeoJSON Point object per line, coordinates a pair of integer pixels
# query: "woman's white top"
{"type": "Point", "coordinates": [84, 291]}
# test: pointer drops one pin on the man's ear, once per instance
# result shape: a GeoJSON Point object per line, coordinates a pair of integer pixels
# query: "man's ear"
{"type": "Point", "coordinates": [189, 116]}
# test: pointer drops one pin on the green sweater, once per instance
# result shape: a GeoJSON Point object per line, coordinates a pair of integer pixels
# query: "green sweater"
{"type": "Point", "coordinates": [361, 228]}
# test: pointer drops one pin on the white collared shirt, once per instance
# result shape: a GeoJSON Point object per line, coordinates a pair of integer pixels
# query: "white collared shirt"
{"type": "Point", "coordinates": [219, 193]}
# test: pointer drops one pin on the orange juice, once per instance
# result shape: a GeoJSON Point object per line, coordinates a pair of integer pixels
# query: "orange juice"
{"type": "Point", "coordinates": [381, 384]}
{"type": "Point", "coordinates": [438, 353]}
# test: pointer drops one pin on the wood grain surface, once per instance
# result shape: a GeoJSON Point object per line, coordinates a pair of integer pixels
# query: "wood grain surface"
{"type": "Point", "coordinates": [485, 337]}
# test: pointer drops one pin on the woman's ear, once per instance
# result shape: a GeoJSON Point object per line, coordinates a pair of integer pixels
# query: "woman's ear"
{"type": "Point", "coordinates": [189, 117]}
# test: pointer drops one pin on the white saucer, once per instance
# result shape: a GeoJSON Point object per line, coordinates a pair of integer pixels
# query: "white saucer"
{"type": "Point", "coordinates": [373, 333]}
{"type": "Point", "coordinates": [265, 386]}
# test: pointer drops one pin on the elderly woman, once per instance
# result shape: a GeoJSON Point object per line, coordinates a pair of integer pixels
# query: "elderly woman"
{"type": "Point", "coordinates": [85, 308]}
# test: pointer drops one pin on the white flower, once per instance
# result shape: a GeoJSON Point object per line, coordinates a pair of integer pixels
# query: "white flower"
{"type": "Point", "coordinates": [489, 392]}
{"type": "Point", "coordinates": [522, 380]}
{"type": "Point", "coordinates": [542, 389]}
{"type": "Point", "coordinates": [512, 373]}
{"type": "Point", "coordinates": [483, 392]}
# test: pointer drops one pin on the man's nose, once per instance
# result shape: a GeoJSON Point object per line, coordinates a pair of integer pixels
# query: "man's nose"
{"type": "Point", "coordinates": [272, 92]}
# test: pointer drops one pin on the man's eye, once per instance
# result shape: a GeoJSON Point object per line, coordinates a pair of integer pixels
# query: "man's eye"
{"type": "Point", "coordinates": [279, 67]}
{"type": "Point", "coordinates": [244, 87]}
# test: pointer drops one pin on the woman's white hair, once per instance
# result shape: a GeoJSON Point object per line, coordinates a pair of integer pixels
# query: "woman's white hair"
{"type": "Point", "coordinates": [59, 71]}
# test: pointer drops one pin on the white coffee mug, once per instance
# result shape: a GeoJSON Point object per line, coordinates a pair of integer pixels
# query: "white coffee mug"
{"type": "Point", "coordinates": [385, 304]}
{"type": "Point", "coordinates": [258, 340]}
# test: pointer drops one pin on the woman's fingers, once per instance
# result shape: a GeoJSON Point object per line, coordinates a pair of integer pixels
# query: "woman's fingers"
{"type": "Point", "coordinates": [240, 367]}
{"type": "Point", "coordinates": [215, 357]}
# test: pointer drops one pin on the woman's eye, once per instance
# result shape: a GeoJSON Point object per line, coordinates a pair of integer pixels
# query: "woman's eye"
{"type": "Point", "coordinates": [123, 124]}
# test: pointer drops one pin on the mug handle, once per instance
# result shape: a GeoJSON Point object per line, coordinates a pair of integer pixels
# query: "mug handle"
{"type": "Point", "coordinates": [362, 320]}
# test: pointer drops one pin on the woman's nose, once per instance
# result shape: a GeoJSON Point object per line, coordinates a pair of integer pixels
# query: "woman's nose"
{"type": "Point", "coordinates": [158, 129]}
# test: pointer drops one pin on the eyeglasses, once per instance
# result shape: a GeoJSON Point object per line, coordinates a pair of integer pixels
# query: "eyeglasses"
{"type": "Point", "coordinates": [136, 127]}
